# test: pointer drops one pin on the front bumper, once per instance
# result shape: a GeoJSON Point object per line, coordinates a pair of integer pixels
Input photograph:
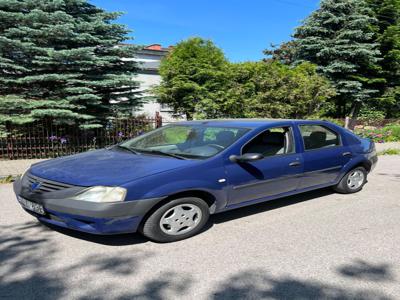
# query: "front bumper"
{"type": "Point", "coordinates": [96, 218]}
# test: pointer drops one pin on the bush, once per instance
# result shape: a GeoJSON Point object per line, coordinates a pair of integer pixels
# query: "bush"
{"type": "Point", "coordinates": [394, 132]}
{"type": "Point", "coordinates": [370, 115]}
{"type": "Point", "coordinates": [339, 122]}
{"type": "Point", "coordinates": [381, 135]}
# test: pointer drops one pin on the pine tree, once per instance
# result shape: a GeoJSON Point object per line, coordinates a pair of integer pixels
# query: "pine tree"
{"type": "Point", "coordinates": [338, 37]}
{"type": "Point", "coordinates": [388, 35]}
{"type": "Point", "coordinates": [62, 59]}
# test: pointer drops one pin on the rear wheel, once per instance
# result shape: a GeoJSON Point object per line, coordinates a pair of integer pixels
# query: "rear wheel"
{"type": "Point", "coordinates": [352, 182]}
{"type": "Point", "coordinates": [176, 220]}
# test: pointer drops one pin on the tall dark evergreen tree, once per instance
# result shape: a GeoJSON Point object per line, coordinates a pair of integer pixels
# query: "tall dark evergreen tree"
{"type": "Point", "coordinates": [62, 59]}
{"type": "Point", "coordinates": [339, 38]}
{"type": "Point", "coordinates": [388, 35]}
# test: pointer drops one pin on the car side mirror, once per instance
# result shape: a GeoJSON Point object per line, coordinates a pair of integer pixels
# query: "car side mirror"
{"type": "Point", "coordinates": [247, 157]}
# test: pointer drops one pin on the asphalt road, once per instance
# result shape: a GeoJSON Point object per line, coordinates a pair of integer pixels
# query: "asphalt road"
{"type": "Point", "coordinates": [319, 245]}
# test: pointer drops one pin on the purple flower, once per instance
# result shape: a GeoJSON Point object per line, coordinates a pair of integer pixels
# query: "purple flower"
{"type": "Point", "coordinates": [53, 138]}
{"type": "Point", "coordinates": [120, 134]}
{"type": "Point", "coordinates": [63, 140]}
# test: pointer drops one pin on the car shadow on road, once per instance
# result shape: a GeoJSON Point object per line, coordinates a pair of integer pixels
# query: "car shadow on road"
{"type": "Point", "coordinates": [136, 238]}
{"type": "Point", "coordinates": [269, 205]}
{"type": "Point", "coordinates": [108, 240]}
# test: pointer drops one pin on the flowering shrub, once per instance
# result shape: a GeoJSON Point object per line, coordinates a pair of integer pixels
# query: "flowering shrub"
{"type": "Point", "coordinates": [381, 135]}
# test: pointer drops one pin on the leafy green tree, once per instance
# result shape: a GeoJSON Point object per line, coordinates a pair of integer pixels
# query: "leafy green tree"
{"type": "Point", "coordinates": [274, 90]}
{"type": "Point", "coordinates": [62, 59]}
{"type": "Point", "coordinates": [193, 77]}
{"type": "Point", "coordinates": [339, 39]}
{"type": "Point", "coordinates": [387, 32]}
{"type": "Point", "coordinates": [198, 81]}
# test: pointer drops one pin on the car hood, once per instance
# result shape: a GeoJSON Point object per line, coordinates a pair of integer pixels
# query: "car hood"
{"type": "Point", "coordinates": [106, 167]}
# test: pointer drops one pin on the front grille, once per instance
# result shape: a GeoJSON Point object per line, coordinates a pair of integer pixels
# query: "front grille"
{"type": "Point", "coordinates": [45, 185]}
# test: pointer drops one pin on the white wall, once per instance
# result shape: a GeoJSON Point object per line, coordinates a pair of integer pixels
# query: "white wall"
{"type": "Point", "coordinates": [147, 82]}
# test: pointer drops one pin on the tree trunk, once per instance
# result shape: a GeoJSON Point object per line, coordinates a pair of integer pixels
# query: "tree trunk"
{"type": "Point", "coordinates": [189, 116]}
{"type": "Point", "coordinates": [355, 110]}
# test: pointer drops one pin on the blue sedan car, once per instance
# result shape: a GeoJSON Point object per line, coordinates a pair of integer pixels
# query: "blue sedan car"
{"type": "Point", "coordinates": [166, 183]}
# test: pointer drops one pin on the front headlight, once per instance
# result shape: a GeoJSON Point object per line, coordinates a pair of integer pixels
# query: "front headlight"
{"type": "Point", "coordinates": [102, 194]}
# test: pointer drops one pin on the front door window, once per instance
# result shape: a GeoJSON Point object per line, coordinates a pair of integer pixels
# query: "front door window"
{"type": "Point", "coordinates": [274, 141]}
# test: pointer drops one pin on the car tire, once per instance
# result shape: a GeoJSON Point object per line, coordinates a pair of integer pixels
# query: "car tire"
{"type": "Point", "coordinates": [352, 182]}
{"type": "Point", "coordinates": [176, 220]}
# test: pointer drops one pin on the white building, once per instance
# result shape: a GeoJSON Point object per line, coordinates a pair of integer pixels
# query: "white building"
{"type": "Point", "coordinates": [149, 58]}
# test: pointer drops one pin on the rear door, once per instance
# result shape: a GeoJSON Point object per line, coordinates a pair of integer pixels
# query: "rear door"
{"type": "Point", "coordinates": [324, 155]}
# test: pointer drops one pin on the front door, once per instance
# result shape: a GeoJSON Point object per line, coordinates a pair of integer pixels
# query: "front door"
{"type": "Point", "coordinates": [278, 173]}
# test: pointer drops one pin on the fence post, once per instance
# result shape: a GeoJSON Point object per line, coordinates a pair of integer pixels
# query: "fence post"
{"type": "Point", "coordinates": [10, 148]}
{"type": "Point", "coordinates": [347, 123]}
{"type": "Point", "coordinates": [158, 119]}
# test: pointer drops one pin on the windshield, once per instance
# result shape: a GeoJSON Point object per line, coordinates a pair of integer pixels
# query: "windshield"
{"type": "Point", "coordinates": [185, 141]}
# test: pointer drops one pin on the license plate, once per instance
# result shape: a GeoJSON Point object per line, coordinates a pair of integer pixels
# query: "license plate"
{"type": "Point", "coordinates": [32, 206]}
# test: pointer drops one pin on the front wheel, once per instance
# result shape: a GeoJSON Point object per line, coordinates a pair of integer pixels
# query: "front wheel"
{"type": "Point", "coordinates": [176, 220]}
{"type": "Point", "coordinates": [352, 182]}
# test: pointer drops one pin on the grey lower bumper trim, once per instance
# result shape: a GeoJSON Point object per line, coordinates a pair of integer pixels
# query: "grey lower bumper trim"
{"type": "Point", "coordinates": [90, 209]}
{"type": "Point", "coordinates": [101, 210]}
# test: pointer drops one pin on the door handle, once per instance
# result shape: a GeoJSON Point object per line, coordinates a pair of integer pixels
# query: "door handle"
{"type": "Point", "coordinates": [346, 154]}
{"type": "Point", "coordinates": [295, 164]}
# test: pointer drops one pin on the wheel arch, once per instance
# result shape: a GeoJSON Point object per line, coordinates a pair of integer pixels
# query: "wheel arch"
{"type": "Point", "coordinates": [365, 164]}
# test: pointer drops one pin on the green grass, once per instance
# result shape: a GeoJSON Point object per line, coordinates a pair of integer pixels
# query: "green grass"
{"type": "Point", "coordinates": [390, 152]}
{"type": "Point", "coordinates": [7, 179]}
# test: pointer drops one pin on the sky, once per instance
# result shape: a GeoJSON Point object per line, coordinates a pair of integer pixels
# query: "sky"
{"type": "Point", "coordinates": [241, 28]}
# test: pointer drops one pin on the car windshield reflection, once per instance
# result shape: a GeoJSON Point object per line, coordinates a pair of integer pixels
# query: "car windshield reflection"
{"type": "Point", "coordinates": [186, 141]}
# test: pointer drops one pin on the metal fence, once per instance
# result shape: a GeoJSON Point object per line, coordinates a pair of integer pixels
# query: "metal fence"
{"type": "Point", "coordinates": [45, 139]}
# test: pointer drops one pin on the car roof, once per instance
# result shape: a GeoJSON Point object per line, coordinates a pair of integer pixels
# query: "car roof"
{"type": "Point", "coordinates": [245, 123]}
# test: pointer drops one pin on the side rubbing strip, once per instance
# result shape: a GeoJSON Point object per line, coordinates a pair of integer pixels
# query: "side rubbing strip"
{"type": "Point", "coordinates": [251, 184]}
{"type": "Point", "coordinates": [246, 185]}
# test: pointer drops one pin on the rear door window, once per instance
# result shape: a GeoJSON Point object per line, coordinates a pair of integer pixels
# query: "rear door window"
{"type": "Point", "coordinates": [318, 137]}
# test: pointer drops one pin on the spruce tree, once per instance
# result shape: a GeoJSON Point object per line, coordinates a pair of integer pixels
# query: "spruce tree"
{"type": "Point", "coordinates": [338, 37]}
{"type": "Point", "coordinates": [62, 59]}
{"type": "Point", "coordinates": [388, 35]}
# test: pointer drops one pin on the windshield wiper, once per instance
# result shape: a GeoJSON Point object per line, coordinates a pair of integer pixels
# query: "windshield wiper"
{"type": "Point", "coordinates": [127, 148]}
{"type": "Point", "coordinates": [160, 153]}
